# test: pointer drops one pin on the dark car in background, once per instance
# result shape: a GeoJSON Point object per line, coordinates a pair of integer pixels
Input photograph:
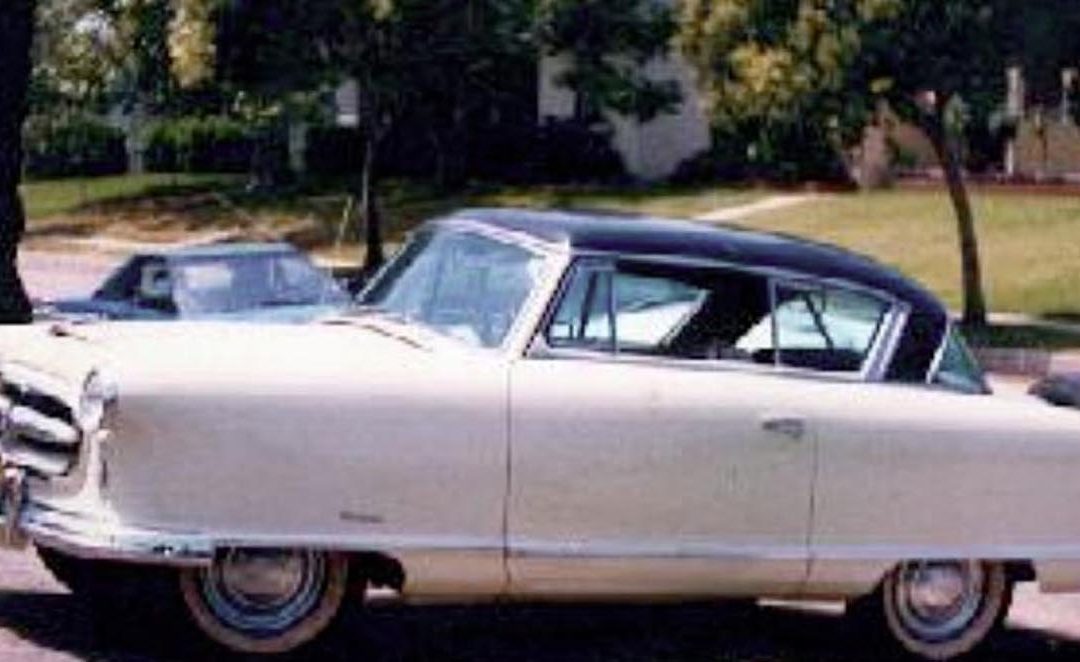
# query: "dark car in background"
{"type": "Point", "coordinates": [258, 282]}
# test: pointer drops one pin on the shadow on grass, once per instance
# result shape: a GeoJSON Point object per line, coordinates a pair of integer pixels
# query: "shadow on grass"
{"type": "Point", "coordinates": [60, 623]}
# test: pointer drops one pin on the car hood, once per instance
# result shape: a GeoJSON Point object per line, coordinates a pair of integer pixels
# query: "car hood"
{"type": "Point", "coordinates": [142, 356]}
{"type": "Point", "coordinates": [125, 310]}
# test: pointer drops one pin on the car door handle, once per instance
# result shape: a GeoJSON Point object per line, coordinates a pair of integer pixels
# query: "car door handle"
{"type": "Point", "coordinates": [792, 427]}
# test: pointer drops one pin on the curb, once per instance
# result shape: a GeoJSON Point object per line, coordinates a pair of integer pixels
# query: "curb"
{"type": "Point", "coordinates": [1027, 362]}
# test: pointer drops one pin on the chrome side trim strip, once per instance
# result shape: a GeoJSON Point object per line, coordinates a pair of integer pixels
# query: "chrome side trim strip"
{"type": "Point", "coordinates": [681, 550]}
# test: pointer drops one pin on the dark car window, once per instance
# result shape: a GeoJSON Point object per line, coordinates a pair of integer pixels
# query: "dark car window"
{"type": "Point", "coordinates": [225, 284]}
{"type": "Point", "coordinates": [689, 312]}
{"type": "Point", "coordinates": [677, 312]}
{"type": "Point", "coordinates": [824, 328]}
{"type": "Point", "coordinates": [123, 283]}
{"type": "Point", "coordinates": [156, 287]}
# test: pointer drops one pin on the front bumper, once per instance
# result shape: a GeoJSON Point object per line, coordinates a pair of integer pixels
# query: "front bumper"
{"type": "Point", "coordinates": [82, 531]}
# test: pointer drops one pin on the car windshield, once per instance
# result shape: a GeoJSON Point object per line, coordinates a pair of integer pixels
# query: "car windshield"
{"type": "Point", "coordinates": [460, 284]}
{"type": "Point", "coordinates": [228, 284]}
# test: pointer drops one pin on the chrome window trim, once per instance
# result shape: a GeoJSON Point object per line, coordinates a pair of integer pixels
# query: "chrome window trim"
{"type": "Point", "coordinates": [939, 354]}
{"type": "Point", "coordinates": [875, 366]}
{"type": "Point", "coordinates": [890, 336]}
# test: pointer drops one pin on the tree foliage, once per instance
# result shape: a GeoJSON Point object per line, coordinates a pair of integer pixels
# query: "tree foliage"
{"type": "Point", "coordinates": [939, 64]}
{"type": "Point", "coordinates": [438, 63]}
{"type": "Point", "coordinates": [191, 40]}
{"type": "Point", "coordinates": [608, 44]}
{"type": "Point", "coordinates": [78, 54]}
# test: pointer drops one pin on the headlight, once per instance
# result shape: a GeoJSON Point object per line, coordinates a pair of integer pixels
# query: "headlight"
{"type": "Point", "coordinates": [99, 393]}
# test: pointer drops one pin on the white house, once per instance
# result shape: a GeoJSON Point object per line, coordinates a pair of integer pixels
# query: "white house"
{"type": "Point", "coordinates": [651, 150]}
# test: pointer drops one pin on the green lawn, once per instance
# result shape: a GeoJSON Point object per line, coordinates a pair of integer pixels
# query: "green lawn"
{"type": "Point", "coordinates": [1030, 243]}
{"type": "Point", "coordinates": [664, 201]}
{"type": "Point", "coordinates": [53, 197]}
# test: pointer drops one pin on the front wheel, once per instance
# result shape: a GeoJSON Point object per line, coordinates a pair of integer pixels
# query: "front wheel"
{"type": "Point", "coordinates": [266, 601]}
{"type": "Point", "coordinates": [940, 610]}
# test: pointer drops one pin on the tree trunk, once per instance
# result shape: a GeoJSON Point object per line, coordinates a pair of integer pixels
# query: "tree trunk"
{"type": "Point", "coordinates": [16, 35]}
{"type": "Point", "coordinates": [369, 204]}
{"type": "Point", "coordinates": [970, 264]}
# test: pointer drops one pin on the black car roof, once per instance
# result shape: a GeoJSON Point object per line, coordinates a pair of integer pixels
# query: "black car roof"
{"type": "Point", "coordinates": [645, 235]}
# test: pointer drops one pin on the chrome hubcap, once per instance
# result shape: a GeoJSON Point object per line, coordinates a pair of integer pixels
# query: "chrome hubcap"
{"type": "Point", "coordinates": [937, 600]}
{"type": "Point", "coordinates": [264, 591]}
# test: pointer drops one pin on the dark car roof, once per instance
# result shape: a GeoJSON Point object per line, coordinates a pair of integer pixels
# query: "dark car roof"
{"type": "Point", "coordinates": [644, 235]}
{"type": "Point", "coordinates": [626, 234]}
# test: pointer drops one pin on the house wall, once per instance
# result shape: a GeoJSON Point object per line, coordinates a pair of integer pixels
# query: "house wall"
{"type": "Point", "coordinates": [650, 150]}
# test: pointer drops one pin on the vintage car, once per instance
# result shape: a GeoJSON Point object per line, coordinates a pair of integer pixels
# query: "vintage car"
{"type": "Point", "coordinates": [554, 406]}
{"type": "Point", "coordinates": [256, 282]}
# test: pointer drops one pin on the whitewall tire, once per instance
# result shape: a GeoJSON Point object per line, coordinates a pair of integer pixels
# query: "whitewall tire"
{"type": "Point", "coordinates": [941, 610]}
{"type": "Point", "coordinates": [266, 601]}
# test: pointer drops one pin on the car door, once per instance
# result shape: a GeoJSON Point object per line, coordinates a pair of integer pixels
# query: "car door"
{"type": "Point", "coordinates": [637, 472]}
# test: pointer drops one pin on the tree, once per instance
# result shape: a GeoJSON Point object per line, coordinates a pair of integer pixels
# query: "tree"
{"type": "Point", "coordinates": [75, 56]}
{"type": "Point", "coordinates": [609, 43]}
{"type": "Point", "coordinates": [436, 62]}
{"type": "Point", "coordinates": [934, 62]}
{"type": "Point", "coordinates": [16, 34]}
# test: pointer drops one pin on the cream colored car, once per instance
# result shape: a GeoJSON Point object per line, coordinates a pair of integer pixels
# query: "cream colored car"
{"type": "Point", "coordinates": [552, 406]}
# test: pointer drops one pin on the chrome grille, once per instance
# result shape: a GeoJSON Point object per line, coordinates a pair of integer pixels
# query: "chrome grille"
{"type": "Point", "coordinates": [38, 430]}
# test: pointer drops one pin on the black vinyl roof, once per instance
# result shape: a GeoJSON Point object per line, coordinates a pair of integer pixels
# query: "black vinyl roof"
{"type": "Point", "coordinates": [642, 235]}
{"type": "Point", "coordinates": [631, 235]}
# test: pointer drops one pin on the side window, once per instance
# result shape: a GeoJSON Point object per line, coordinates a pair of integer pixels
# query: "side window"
{"type": "Point", "coordinates": [583, 318]}
{"type": "Point", "coordinates": [658, 310]}
{"type": "Point", "coordinates": [958, 370]}
{"type": "Point", "coordinates": [650, 311]}
{"type": "Point", "coordinates": [123, 283]}
{"type": "Point", "coordinates": [825, 328]}
{"type": "Point", "coordinates": [155, 288]}
{"type": "Point", "coordinates": [686, 312]}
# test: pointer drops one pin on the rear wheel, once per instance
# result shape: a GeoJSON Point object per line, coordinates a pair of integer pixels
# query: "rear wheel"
{"type": "Point", "coordinates": [940, 610]}
{"type": "Point", "coordinates": [266, 601]}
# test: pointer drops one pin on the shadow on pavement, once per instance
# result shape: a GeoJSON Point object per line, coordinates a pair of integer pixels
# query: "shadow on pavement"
{"type": "Point", "coordinates": [37, 623]}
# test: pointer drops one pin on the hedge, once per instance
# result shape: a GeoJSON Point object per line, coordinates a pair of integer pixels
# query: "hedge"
{"type": "Point", "coordinates": [73, 147]}
{"type": "Point", "coordinates": [199, 144]}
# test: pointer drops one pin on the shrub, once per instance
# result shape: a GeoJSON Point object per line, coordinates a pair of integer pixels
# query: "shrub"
{"type": "Point", "coordinates": [72, 147]}
{"type": "Point", "coordinates": [776, 153]}
{"type": "Point", "coordinates": [199, 144]}
{"type": "Point", "coordinates": [567, 151]}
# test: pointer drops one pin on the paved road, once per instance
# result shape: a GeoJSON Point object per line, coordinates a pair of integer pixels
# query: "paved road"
{"type": "Point", "coordinates": [40, 621]}
{"type": "Point", "coordinates": [55, 275]}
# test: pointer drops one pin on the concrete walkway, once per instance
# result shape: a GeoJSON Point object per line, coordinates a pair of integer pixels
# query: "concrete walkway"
{"type": "Point", "coordinates": [772, 203]}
